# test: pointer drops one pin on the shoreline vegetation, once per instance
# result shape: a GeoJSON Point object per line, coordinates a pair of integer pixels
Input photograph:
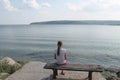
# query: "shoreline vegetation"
{"type": "Point", "coordinates": [78, 22]}
{"type": "Point", "coordinates": [8, 66]}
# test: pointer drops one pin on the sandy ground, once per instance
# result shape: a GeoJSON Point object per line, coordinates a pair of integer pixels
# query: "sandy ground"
{"type": "Point", "coordinates": [34, 71]}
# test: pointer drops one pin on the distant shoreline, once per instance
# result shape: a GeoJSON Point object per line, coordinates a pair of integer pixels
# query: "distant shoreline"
{"type": "Point", "coordinates": [78, 22]}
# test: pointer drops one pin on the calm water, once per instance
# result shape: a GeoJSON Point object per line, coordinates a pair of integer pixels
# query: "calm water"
{"type": "Point", "coordinates": [86, 44]}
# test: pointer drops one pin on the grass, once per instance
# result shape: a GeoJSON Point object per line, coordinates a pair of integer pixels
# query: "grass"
{"type": "Point", "coordinates": [5, 68]}
{"type": "Point", "coordinates": [110, 75]}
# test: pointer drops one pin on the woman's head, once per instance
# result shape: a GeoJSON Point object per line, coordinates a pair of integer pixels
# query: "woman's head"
{"type": "Point", "coordinates": [59, 44]}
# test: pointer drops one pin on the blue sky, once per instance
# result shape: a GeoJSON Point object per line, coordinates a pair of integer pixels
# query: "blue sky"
{"type": "Point", "coordinates": [27, 11]}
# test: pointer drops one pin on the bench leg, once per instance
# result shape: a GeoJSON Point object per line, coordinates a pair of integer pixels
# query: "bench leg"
{"type": "Point", "coordinates": [55, 73]}
{"type": "Point", "coordinates": [90, 75]}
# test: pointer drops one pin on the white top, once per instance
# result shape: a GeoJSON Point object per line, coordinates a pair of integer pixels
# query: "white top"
{"type": "Point", "coordinates": [61, 58]}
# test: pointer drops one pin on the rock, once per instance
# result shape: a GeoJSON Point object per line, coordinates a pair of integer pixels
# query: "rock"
{"type": "Point", "coordinates": [110, 78]}
{"type": "Point", "coordinates": [4, 75]}
{"type": "Point", "coordinates": [118, 78]}
{"type": "Point", "coordinates": [6, 79]}
{"type": "Point", "coordinates": [8, 60]}
{"type": "Point", "coordinates": [17, 66]}
{"type": "Point", "coordinates": [118, 74]}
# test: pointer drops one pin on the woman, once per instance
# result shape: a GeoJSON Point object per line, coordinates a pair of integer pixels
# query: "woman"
{"type": "Point", "coordinates": [60, 55]}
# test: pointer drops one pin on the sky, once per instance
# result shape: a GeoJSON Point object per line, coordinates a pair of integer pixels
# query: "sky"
{"type": "Point", "coordinates": [27, 11]}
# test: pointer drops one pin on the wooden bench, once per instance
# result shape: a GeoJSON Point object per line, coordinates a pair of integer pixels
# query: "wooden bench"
{"type": "Point", "coordinates": [74, 67]}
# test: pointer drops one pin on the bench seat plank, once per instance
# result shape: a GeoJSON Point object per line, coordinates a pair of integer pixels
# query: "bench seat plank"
{"type": "Point", "coordinates": [74, 67]}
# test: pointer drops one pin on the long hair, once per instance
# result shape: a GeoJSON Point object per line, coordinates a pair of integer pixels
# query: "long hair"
{"type": "Point", "coordinates": [59, 44]}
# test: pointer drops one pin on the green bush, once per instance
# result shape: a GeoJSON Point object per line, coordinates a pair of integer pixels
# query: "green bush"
{"type": "Point", "coordinates": [4, 67]}
{"type": "Point", "coordinates": [109, 75]}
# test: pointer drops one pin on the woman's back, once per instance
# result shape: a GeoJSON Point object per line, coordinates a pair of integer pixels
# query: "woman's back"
{"type": "Point", "coordinates": [60, 59]}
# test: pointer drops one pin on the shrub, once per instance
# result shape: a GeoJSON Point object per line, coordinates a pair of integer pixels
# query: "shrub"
{"type": "Point", "coordinates": [6, 68]}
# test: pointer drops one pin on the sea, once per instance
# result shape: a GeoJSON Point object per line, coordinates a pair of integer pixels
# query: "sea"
{"type": "Point", "coordinates": [85, 44]}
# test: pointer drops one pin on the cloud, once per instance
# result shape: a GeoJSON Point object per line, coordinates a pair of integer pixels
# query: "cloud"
{"type": "Point", "coordinates": [8, 6]}
{"type": "Point", "coordinates": [101, 5]}
{"type": "Point", "coordinates": [45, 5]}
{"type": "Point", "coordinates": [34, 4]}
{"type": "Point", "coordinates": [72, 7]}
{"type": "Point", "coordinates": [76, 7]}
{"type": "Point", "coordinates": [105, 4]}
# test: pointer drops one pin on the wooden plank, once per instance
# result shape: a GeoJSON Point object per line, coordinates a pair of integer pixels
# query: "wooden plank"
{"type": "Point", "coordinates": [74, 67]}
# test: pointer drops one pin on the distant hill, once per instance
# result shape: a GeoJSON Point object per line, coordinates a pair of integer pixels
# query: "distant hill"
{"type": "Point", "coordinates": [75, 22]}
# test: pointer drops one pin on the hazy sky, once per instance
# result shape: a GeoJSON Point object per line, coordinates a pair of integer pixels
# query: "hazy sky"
{"type": "Point", "coordinates": [27, 11]}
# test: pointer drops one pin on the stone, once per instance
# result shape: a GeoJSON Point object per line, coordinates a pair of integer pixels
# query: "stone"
{"type": "Point", "coordinates": [4, 75]}
{"type": "Point", "coordinates": [118, 74]}
{"type": "Point", "coordinates": [8, 60]}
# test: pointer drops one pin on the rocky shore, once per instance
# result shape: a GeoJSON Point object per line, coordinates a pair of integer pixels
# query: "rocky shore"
{"type": "Point", "coordinates": [33, 70]}
{"type": "Point", "coordinates": [8, 66]}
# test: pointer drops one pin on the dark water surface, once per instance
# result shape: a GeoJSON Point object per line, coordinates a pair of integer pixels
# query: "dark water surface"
{"type": "Point", "coordinates": [87, 44]}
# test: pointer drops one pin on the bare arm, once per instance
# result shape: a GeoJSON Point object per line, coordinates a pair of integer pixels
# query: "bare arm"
{"type": "Point", "coordinates": [54, 56]}
{"type": "Point", "coordinates": [65, 56]}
